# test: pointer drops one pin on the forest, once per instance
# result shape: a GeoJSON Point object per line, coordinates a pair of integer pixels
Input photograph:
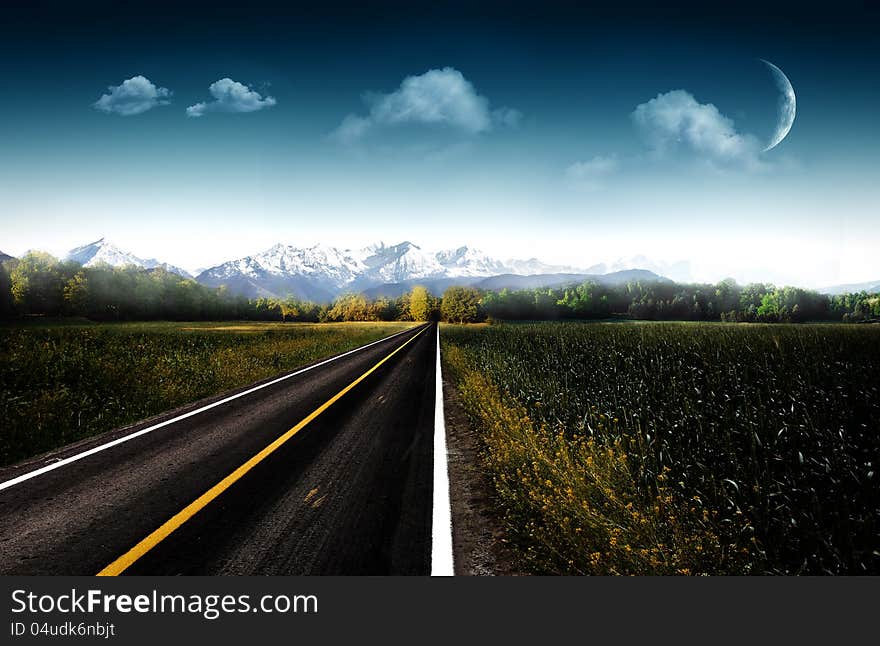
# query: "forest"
{"type": "Point", "coordinates": [40, 285]}
{"type": "Point", "coordinates": [667, 301]}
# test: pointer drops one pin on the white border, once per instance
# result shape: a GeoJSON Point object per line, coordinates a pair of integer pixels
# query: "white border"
{"type": "Point", "coordinates": [442, 563]}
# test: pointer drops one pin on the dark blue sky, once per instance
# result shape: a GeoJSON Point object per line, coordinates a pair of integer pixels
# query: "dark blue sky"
{"type": "Point", "coordinates": [540, 155]}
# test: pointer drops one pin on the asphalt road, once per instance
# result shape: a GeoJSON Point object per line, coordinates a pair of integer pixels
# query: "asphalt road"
{"type": "Point", "coordinates": [349, 493]}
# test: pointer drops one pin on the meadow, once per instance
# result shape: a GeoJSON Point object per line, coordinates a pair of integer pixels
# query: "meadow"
{"type": "Point", "coordinates": [64, 381]}
{"type": "Point", "coordinates": [678, 448]}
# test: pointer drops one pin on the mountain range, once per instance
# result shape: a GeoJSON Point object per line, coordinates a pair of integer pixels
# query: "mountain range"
{"type": "Point", "coordinates": [321, 272]}
{"type": "Point", "coordinates": [871, 287]}
{"type": "Point", "coordinates": [514, 282]}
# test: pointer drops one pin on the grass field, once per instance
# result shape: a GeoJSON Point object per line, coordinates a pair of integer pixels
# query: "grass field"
{"type": "Point", "coordinates": [63, 382]}
{"type": "Point", "coordinates": [679, 448]}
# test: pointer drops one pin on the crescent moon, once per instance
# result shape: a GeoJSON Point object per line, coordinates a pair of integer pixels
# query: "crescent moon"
{"type": "Point", "coordinates": [787, 106]}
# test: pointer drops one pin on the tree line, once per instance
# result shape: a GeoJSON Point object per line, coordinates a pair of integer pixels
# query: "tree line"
{"type": "Point", "coordinates": [659, 300]}
{"type": "Point", "coordinates": [39, 284]}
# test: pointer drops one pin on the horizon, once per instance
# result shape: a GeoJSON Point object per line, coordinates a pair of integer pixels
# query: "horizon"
{"type": "Point", "coordinates": [619, 264]}
{"type": "Point", "coordinates": [576, 136]}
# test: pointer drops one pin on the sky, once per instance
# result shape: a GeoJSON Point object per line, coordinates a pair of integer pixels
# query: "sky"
{"type": "Point", "coordinates": [560, 131]}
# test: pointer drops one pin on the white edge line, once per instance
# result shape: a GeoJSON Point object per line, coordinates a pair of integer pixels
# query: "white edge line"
{"type": "Point", "coordinates": [103, 447]}
{"type": "Point", "coordinates": [442, 562]}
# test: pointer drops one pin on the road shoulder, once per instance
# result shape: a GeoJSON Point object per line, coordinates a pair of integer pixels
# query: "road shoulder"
{"type": "Point", "coordinates": [477, 529]}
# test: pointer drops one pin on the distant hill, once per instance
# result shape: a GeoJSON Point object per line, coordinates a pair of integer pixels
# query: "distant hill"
{"type": "Point", "coordinates": [268, 286]}
{"type": "Point", "coordinates": [435, 286]}
{"type": "Point", "coordinates": [872, 286]}
{"type": "Point", "coordinates": [514, 282]}
{"type": "Point", "coordinates": [5, 256]}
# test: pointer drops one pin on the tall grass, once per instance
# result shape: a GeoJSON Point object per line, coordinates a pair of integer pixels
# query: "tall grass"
{"type": "Point", "coordinates": [62, 384]}
{"type": "Point", "coordinates": [764, 438]}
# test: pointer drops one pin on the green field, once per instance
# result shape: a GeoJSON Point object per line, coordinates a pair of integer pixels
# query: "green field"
{"type": "Point", "coordinates": [679, 448]}
{"type": "Point", "coordinates": [62, 382]}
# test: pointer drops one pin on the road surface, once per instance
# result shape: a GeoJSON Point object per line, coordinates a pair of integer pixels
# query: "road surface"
{"type": "Point", "coordinates": [326, 472]}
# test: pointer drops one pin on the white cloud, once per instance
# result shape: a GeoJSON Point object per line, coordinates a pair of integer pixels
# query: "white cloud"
{"type": "Point", "coordinates": [352, 128]}
{"type": "Point", "coordinates": [589, 175]}
{"type": "Point", "coordinates": [676, 120]}
{"type": "Point", "coordinates": [231, 96]}
{"type": "Point", "coordinates": [437, 97]}
{"type": "Point", "coordinates": [134, 96]}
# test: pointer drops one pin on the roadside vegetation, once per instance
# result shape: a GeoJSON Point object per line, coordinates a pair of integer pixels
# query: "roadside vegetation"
{"type": "Point", "coordinates": [678, 448]}
{"type": "Point", "coordinates": [40, 285]}
{"type": "Point", "coordinates": [60, 384]}
{"type": "Point", "coordinates": [667, 301]}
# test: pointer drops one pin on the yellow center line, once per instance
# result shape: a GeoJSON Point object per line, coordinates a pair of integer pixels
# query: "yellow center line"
{"type": "Point", "coordinates": [126, 560]}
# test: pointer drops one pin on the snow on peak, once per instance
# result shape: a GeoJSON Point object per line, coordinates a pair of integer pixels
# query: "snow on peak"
{"type": "Point", "coordinates": [104, 252]}
{"type": "Point", "coordinates": [465, 261]}
{"type": "Point", "coordinates": [379, 263]}
{"type": "Point", "coordinates": [320, 262]}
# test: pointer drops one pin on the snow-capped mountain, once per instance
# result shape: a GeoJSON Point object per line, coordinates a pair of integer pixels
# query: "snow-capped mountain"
{"type": "Point", "coordinates": [320, 261]}
{"type": "Point", "coordinates": [395, 263]}
{"type": "Point", "coordinates": [104, 252]}
{"type": "Point", "coordinates": [322, 272]}
{"type": "Point", "coordinates": [316, 273]}
{"type": "Point", "coordinates": [465, 261]}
